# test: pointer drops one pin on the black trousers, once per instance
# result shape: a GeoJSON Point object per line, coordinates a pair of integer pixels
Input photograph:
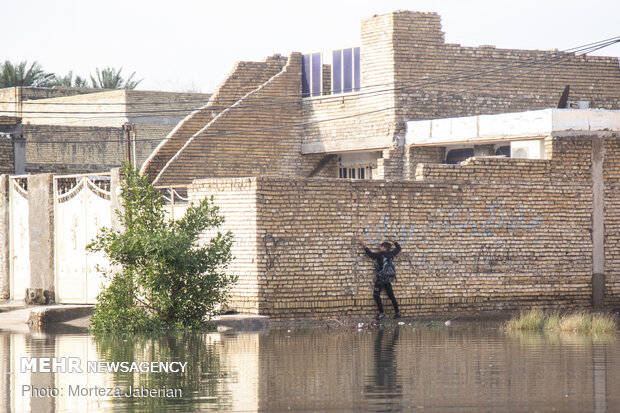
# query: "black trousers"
{"type": "Point", "coordinates": [376, 294]}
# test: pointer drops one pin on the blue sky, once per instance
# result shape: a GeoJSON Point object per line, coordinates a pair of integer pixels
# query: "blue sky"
{"type": "Point", "coordinates": [192, 45]}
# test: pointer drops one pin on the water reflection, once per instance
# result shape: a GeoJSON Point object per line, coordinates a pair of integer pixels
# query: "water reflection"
{"type": "Point", "coordinates": [384, 390]}
{"type": "Point", "coordinates": [466, 367]}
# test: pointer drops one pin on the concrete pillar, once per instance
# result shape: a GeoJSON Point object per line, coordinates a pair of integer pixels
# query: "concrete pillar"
{"type": "Point", "coordinates": [5, 237]}
{"type": "Point", "coordinates": [41, 223]}
{"type": "Point", "coordinates": [598, 222]}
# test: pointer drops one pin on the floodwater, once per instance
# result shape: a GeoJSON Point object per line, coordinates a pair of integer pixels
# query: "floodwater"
{"type": "Point", "coordinates": [467, 366]}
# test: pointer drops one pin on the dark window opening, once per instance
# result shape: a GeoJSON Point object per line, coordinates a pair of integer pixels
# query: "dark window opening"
{"type": "Point", "coordinates": [459, 155]}
{"type": "Point", "coordinates": [503, 150]}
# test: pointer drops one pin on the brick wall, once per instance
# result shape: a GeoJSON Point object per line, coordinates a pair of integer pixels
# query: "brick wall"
{"type": "Point", "coordinates": [490, 234]}
{"type": "Point", "coordinates": [320, 133]}
{"type": "Point", "coordinates": [76, 149]}
{"type": "Point", "coordinates": [43, 154]}
{"type": "Point", "coordinates": [247, 138]}
{"type": "Point", "coordinates": [419, 52]}
{"type": "Point", "coordinates": [243, 79]}
{"type": "Point", "coordinates": [11, 96]}
{"type": "Point", "coordinates": [237, 202]}
{"type": "Point", "coordinates": [7, 163]}
{"type": "Point", "coordinates": [611, 173]}
{"type": "Point", "coordinates": [405, 52]}
{"type": "Point", "coordinates": [420, 154]}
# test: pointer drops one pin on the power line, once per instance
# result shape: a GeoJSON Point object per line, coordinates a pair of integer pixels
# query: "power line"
{"type": "Point", "coordinates": [403, 86]}
{"type": "Point", "coordinates": [301, 124]}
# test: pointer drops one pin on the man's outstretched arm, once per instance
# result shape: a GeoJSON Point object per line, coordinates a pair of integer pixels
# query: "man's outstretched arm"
{"type": "Point", "coordinates": [397, 247]}
{"type": "Point", "coordinates": [367, 250]}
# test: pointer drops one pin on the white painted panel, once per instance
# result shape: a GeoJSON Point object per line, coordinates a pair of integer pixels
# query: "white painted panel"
{"type": "Point", "coordinates": [97, 216]}
{"type": "Point", "coordinates": [20, 243]}
{"type": "Point", "coordinates": [70, 243]}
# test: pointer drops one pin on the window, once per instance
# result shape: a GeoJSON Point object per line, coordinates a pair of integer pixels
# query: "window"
{"type": "Point", "coordinates": [346, 70]}
{"type": "Point", "coordinates": [357, 172]}
{"type": "Point", "coordinates": [459, 155]}
{"type": "Point", "coordinates": [311, 75]}
{"type": "Point", "coordinates": [503, 150]}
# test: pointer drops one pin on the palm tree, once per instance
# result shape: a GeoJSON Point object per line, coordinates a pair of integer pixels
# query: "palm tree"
{"type": "Point", "coordinates": [68, 81]}
{"type": "Point", "coordinates": [110, 78]}
{"type": "Point", "coordinates": [21, 75]}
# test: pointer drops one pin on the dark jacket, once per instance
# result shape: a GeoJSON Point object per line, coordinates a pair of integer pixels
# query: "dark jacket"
{"type": "Point", "coordinates": [379, 255]}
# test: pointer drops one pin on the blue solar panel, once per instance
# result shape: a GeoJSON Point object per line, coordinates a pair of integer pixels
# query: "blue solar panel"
{"type": "Point", "coordinates": [337, 71]}
{"type": "Point", "coordinates": [347, 73]}
{"type": "Point", "coordinates": [305, 75]}
{"type": "Point", "coordinates": [356, 69]}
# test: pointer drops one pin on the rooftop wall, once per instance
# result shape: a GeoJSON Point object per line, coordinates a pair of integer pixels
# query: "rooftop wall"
{"type": "Point", "coordinates": [537, 123]}
{"type": "Point", "coordinates": [112, 108]}
{"type": "Point", "coordinates": [527, 79]}
{"type": "Point", "coordinates": [11, 97]}
{"type": "Point", "coordinates": [425, 78]}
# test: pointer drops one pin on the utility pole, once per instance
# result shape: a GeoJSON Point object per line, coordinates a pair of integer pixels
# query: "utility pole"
{"type": "Point", "coordinates": [127, 127]}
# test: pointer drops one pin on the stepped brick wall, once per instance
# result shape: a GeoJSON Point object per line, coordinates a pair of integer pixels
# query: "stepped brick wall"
{"type": "Point", "coordinates": [243, 79]}
{"type": "Point", "coordinates": [490, 234]}
{"type": "Point", "coordinates": [247, 138]}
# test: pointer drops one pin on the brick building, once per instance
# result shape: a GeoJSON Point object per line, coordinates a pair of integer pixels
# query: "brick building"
{"type": "Point", "coordinates": [490, 233]}
{"type": "Point", "coordinates": [342, 113]}
{"type": "Point", "coordinates": [500, 202]}
{"type": "Point", "coordinates": [79, 130]}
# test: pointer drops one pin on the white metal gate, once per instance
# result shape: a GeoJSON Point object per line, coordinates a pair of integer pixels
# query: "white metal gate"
{"type": "Point", "coordinates": [20, 237]}
{"type": "Point", "coordinates": [81, 208]}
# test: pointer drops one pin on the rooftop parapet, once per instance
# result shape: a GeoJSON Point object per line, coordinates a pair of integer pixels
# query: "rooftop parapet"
{"type": "Point", "coordinates": [510, 126]}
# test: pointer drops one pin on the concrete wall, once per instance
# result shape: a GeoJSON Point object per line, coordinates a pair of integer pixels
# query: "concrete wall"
{"type": "Point", "coordinates": [5, 250]}
{"type": "Point", "coordinates": [489, 234]}
{"type": "Point", "coordinates": [41, 228]}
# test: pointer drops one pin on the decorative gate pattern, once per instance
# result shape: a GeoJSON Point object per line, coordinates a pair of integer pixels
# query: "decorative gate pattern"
{"type": "Point", "coordinates": [81, 208]}
{"type": "Point", "coordinates": [20, 237]}
{"type": "Point", "coordinates": [175, 201]}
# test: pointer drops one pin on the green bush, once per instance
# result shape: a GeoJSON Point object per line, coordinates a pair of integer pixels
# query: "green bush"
{"type": "Point", "coordinates": [162, 277]}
